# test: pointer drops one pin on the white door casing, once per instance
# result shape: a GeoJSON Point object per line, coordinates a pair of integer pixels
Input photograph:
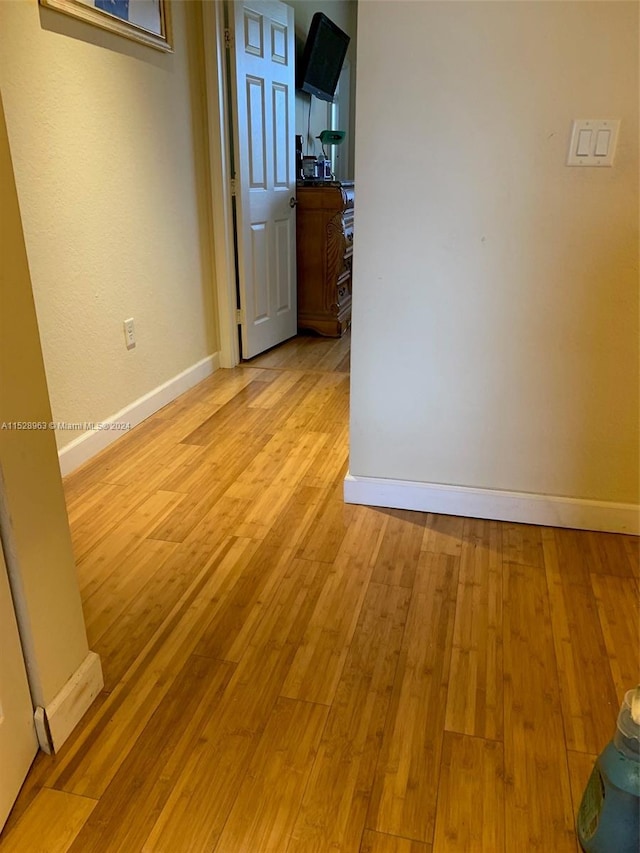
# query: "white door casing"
{"type": "Point", "coordinates": [18, 741]}
{"type": "Point", "coordinates": [263, 91]}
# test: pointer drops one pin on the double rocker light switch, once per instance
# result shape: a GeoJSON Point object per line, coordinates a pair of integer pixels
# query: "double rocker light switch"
{"type": "Point", "coordinates": [593, 142]}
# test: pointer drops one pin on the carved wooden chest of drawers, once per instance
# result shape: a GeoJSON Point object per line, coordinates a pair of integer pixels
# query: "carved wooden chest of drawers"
{"type": "Point", "coordinates": [324, 235]}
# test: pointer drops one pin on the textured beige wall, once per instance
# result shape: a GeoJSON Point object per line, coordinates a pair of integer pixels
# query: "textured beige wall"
{"type": "Point", "coordinates": [33, 517]}
{"type": "Point", "coordinates": [495, 323]}
{"type": "Point", "coordinates": [108, 143]}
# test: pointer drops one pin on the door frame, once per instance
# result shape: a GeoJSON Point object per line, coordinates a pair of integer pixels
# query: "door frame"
{"type": "Point", "coordinates": [219, 128]}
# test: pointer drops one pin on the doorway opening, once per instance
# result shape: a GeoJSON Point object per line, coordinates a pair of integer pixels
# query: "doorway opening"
{"type": "Point", "coordinates": [228, 101]}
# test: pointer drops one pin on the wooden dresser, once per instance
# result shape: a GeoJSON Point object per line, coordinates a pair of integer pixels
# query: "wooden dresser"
{"type": "Point", "coordinates": [324, 235]}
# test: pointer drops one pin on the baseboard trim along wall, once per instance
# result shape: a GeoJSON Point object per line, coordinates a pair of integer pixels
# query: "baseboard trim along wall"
{"type": "Point", "coordinates": [87, 445]}
{"type": "Point", "coordinates": [55, 723]}
{"type": "Point", "coordinates": [497, 505]}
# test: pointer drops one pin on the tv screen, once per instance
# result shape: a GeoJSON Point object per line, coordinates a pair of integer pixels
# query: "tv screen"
{"type": "Point", "coordinates": [322, 58]}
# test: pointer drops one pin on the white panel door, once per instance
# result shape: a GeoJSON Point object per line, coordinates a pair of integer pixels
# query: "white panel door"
{"type": "Point", "coordinates": [18, 741]}
{"type": "Point", "coordinates": [264, 131]}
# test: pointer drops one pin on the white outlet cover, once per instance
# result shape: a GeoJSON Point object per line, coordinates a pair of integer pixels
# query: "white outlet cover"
{"type": "Point", "coordinates": [129, 333]}
{"type": "Point", "coordinates": [594, 125]}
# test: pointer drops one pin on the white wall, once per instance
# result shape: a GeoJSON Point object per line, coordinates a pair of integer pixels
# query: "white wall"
{"type": "Point", "coordinates": [495, 319]}
{"type": "Point", "coordinates": [344, 14]}
{"type": "Point", "coordinates": [108, 143]}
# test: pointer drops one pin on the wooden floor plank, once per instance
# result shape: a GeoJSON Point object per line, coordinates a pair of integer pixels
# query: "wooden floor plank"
{"type": "Point", "coordinates": [50, 824]}
{"type": "Point", "coordinates": [131, 448]}
{"type": "Point", "coordinates": [443, 534]}
{"type": "Point", "coordinates": [631, 546]}
{"type": "Point", "coordinates": [475, 699]}
{"type": "Point", "coordinates": [269, 501]}
{"type": "Point", "coordinates": [306, 352]}
{"type": "Point", "coordinates": [216, 463]}
{"type": "Point", "coordinates": [181, 417]}
{"type": "Point", "coordinates": [276, 391]}
{"type": "Point", "coordinates": [175, 526]}
{"type": "Point", "coordinates": [106, 508]}
{"type": "Point", "coordinates": [268, 800]}
{"type": "Point", "coordinates": [292, 526]}
{"type": "Point", "coordinates": [150, 471]}
{"type": "Point", "coordinates": [219, 523]}
{"type": "Point", "coordinates": [224, 418]}
{"type": "Point", "coordinates": [301, 396]}
{"type": "Point", "coordinates": [403, 800]}
{"type": "Point", "coordinates": [127, 638]}
{"type": "Point", "coordinates": [328, 406]}
{"type": "Point", "coordinates": [127, 810]}
{"type": "Point", "coordinates": [201, 800]}
{"type": "Point", "coordinates": [113, 550]}
{"type": "Point", "coordinates": [334, 807]}
{"type": "Point", "coordinates": [619, 611]}
{"type": "Point", "coordinates": [538, 809]}
{"type": "Point", "coordinates": [96, 498]}
{"type": "Point", "coordinates": [228, 635]}
{"type": "Point", "coordinates": [377, 842]}
{"type": "Point", "coordinates": [327, 530]}
{"type": "Point", "coordinates": [110, 601]}
{"type": "Point", "coordinates": [330, 469]}
{"type": "Point", "coordinates": [88, 771]}
{"type": "Point", "coordinates": [326, 403]}
{"type": "Point", "coordinates": [470, 816]}
{"type": "Point", "coordinates": [319, 659]}
{"type": "Point", "coordinates": [522, 543]}
{"type": "Point", "coordinates": [610, 553]}
{"type": "Point", "coordinates": [587, 690]}
{"type": "Point", "coordinates": [397, 560]}
{"type": "Point", "coordinates": [277, 462]}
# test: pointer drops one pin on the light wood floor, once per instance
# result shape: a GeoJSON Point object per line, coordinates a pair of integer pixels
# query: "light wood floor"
{"type": "Point", "coordinates": [286, 673]}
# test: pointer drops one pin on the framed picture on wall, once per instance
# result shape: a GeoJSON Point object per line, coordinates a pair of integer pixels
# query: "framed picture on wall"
{"type": "Point", "coordinates": [146, 21]}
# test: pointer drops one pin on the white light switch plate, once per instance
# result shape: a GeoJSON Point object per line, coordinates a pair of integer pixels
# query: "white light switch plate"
{"type": "Point", "coordinates": [592, 135]}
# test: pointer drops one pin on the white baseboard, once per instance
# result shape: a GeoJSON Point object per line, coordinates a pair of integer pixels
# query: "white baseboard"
{"type": "Point", "coordinates": [87, 445]}
{"type": "Point", "coordinates": [55, 723]}
{"type": "Point", "coordinates": [520, 507]}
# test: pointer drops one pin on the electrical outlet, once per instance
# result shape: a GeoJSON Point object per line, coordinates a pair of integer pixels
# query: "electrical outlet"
{"type": "Point", "coordinates": [129, 333]}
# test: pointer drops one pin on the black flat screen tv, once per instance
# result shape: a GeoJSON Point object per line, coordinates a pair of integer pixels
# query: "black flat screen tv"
{"type": "Point", "coordinates": [322, 58]}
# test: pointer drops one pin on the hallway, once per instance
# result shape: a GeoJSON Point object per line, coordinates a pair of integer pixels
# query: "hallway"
{"type": "Point", "coordinates": [287, 673]}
